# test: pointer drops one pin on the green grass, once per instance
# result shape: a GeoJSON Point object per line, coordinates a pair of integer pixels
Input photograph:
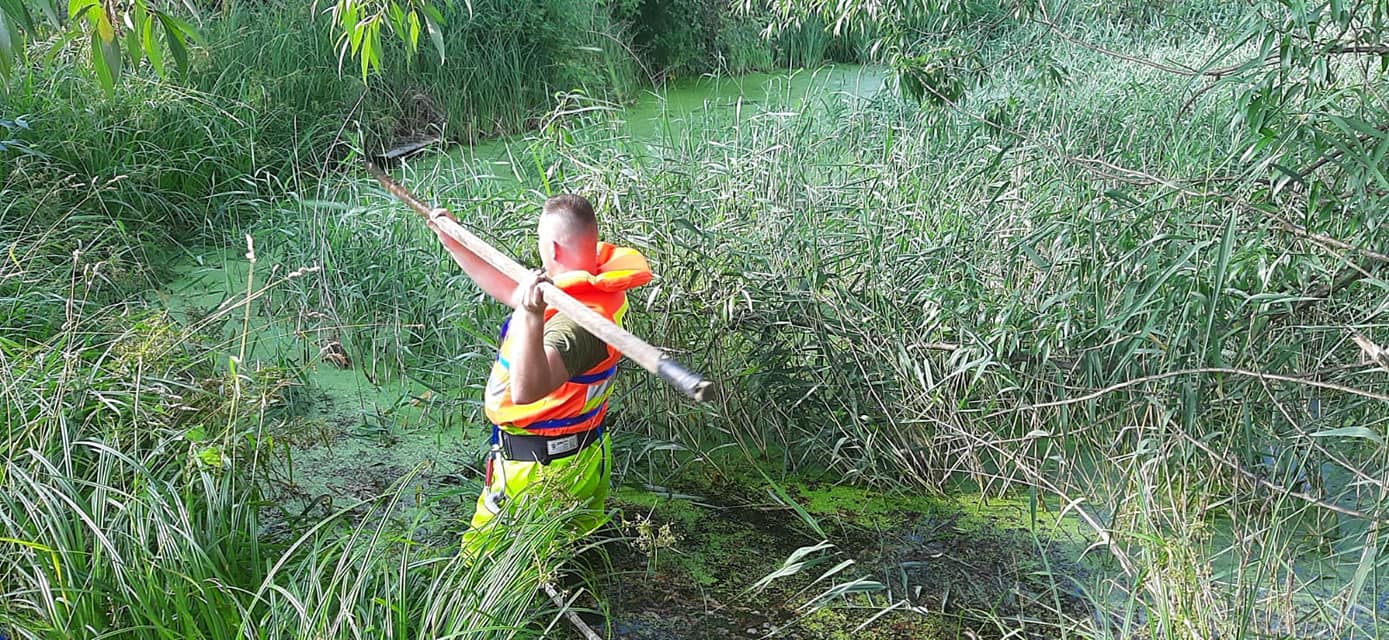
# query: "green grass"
{"type": "Point", "coordinates": [131, 507]}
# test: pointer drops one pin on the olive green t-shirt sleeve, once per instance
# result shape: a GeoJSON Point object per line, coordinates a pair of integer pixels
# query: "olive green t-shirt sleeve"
{"type": "Point", "coordinates": [579, 350]}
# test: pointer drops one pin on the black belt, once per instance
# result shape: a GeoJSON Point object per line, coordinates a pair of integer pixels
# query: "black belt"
{"type": "Point", "coordinates": [545, 449]}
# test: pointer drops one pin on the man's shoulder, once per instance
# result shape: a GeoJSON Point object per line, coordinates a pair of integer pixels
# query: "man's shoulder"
{"type": "Point", "coordinates": [565, 326]}
{"type": "Point", "coordinates": [579, 349]}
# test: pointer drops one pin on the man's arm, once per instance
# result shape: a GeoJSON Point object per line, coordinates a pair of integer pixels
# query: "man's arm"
{"type": "Point", "coordinates": [536, 369]}
{"type": "Point", "coordinates": [495, 283]}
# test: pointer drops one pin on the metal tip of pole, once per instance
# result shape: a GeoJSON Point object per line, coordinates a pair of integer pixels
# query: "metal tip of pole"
{"type": "Point", "coordinates": [688, 382]}
{"type": "Point", "coordinates": [706, 391]}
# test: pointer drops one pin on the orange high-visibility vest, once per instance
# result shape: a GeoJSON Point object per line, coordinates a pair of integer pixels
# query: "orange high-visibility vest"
{"type": "Point", "coordinates": [582, 401]}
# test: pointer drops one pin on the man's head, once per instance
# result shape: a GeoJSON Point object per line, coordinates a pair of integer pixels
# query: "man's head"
{"type": "Point", "coordinates": [568, 233]}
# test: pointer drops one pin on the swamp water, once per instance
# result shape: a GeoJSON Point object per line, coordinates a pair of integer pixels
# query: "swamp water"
{"type": "Point", "coordinates": [688, 556]}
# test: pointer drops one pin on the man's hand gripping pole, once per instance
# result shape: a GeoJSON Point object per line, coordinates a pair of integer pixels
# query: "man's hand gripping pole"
{"type": "Point", "coordinates": [690, 383]}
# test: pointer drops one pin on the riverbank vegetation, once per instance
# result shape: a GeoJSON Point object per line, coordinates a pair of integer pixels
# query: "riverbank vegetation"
{"type": "Point", "coordinates": [1119, 265]}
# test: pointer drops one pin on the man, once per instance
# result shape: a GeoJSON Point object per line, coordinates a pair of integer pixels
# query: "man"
{"type": "Point", "coordinates": [548, 391]}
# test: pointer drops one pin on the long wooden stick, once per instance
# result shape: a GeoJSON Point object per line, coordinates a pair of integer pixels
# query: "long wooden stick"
{"type": "Point", "coordinates": [650, 358]}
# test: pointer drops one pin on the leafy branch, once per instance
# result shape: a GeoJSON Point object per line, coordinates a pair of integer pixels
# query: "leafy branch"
{"type": "Point", "coordinates": [124, 34]}
{"type": "Point", "coordinates": [359, 24]}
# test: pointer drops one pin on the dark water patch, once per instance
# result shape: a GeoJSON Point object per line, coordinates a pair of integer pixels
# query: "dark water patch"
{"type": "Point", "coordinates": [947, 565]}
{"type": "Point", "coordinates": [685, 570]}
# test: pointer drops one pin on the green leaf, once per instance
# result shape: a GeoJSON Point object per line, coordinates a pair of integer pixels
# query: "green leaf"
{"type": "Point", "coordinates": [114, 59]}
{"type": "Point", "coordinates": [104, 74]}
{"type": "Point", "coordinates": [786, 499]}
{"type": "Point", "coordinates": [1222, 272]}
{"type": "Point", "coordinates": [376, 48]}
{"type": "Point", "coordinates": [792, 565]}
{"type": "Point", "coordinates": [1364, 433]}
{"type": "Point", "coordinates": [1115, 194]}
{"type": "Point", "coordinates": [78, 8]}
{"type": "Point", "coordinates": [104, 28]}
{"type": "Point", "coordinates": [212, 457]}
{"type": "Point", "coordinates": [1357, 126]}
{"type": "Point", "coordinates": [138, 17]}
{"type": "Point", "coordinates": [432, 12]}
{"type": "Point", "coordinates": [1033, 256]}
{"type": "Point", "coordinates": [1376, 160]}
{"type": "Point", "coordinates": [365, 55]}
{"type": "Point", "coordinates": [396, 16]}
{"type": "Point", "coordinates": [152, 47]}
{"type": "Point", "coordinates": [1291, 176]}
{"type": "Point", "coordinates": [414, 31]}
{"type": "Point", "coordinates": [176, 37]}
{"type": "Point", "coordinates": [348, 16]}
{"type": "Point", "coordinates": [133, 46]}
{"type": "Point", "coordinates": [1368, 553]}
{"type": "Point", "coordinates": [356, 32]}
{"type": "Point", "coordinates": [190, 33]}
{"type": "Point", "coordinates": [431, 22]}
{"type": "Point", "coordinates": [17, 13]}
{"type": "Point", "coordinates": [8, 37]}
{"type": "Point", "coordinates": [1032, 506]}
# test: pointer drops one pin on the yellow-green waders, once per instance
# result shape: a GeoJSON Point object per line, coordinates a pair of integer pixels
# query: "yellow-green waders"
{"type": "Point", "coordinates": [582, 478]}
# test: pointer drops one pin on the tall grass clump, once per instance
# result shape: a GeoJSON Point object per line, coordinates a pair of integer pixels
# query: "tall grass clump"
{"type": "Point", "coordinates": [506, 61]}
{"type": "Point", "coordinates": [383, 290]}
{"type": "Point", "coordinates": [121, 508]}
{"type": "Point", "coordinates": [262, 106]}
{"type": "Point", "coordinates": [131, 505]}
{"type": "Point", "coordinates": [126, 550]}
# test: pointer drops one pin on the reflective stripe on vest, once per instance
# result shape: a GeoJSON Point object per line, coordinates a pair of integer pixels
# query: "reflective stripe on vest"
{"type": "Point", "coordinates": [577, 405]}
{"type": "Point", "coordinates": [581, 402]}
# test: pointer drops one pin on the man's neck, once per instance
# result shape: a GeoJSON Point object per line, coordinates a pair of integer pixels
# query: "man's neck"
{"type": "Point", "coordinates": [565, 268]}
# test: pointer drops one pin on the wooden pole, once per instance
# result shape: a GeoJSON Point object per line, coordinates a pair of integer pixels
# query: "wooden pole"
{"type": "Point", "coordinates": [574, 619]}
{"type": "Point", "coordinates": [650, 358]}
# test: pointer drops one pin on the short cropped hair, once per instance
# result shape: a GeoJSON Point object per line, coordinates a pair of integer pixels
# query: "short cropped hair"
{"type": "Point", "coordinates": [573, 212]}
